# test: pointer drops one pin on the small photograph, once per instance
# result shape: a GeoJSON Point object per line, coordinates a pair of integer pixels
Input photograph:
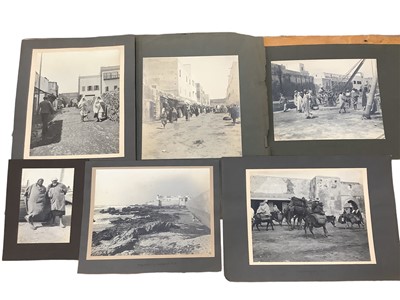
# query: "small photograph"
{"type": "Point", "coordinates": [309, 216]}
{"type": "Point", "coordinates": [45, 208]}
{"type": "Point", "coordinates": [152, 212]}
{"type": "Point", "coordinates": [75, 103]}
{"type": "Point", "coordinates": [191, 107]}
{"type": "Point", "coordinates": [326, 99]}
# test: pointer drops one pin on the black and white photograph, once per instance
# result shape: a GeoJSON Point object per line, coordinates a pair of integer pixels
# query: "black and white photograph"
{"type": "Point", "coordinates": [326, 99]}
{"type": "Point", "coordinates": [45, 205]}
{"type": "Point", "coordinates": [191, 107]}
{"type": "Point", "coordinates": [309, 216]}
{"type": "Point", "coordinates": [151, 212]}
{"type": "Point", "coordinates": [76, 103]}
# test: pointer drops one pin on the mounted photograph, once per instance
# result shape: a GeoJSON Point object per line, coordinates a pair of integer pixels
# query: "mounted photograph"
{"type": "Point", "coordinates": [75, 106]}
{"type": "Point", "coordinates": [151, 212]}
{"type": "Point", "coordinates": [45, 205]}
{"type": "Point", "coordinates": [191, 107]}
{"type": "Point", "coordinates": [309, 216]}
{"type": "Point", "coordinates": [326, 99]}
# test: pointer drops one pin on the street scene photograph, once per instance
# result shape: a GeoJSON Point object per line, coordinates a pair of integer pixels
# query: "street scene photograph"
{"type": "Point", "coordinates": [45, 209]}
{"type": "Point", "coordinates": [309, 216]}
{"type": "Point", "coordinates": [75, 104]}
{"type": "Point", "coordinates": [191, 107]}
{"type": "Point", "coordinates": [326, 99]}
{"type": "Point", "coordinates": [156, 212]}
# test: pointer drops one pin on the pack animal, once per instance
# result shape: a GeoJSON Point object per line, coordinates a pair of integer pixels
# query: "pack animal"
{"type": "Point", "coordinates": [331, 219]}
{"type": "Point", "coordinates": [316, 219]}
{"type": "Point", "coordinates": [297, 210]}
{"type": "Point", "coordinates": [351, 218]}
{"type": "Point", "coordinates": [257, 221]}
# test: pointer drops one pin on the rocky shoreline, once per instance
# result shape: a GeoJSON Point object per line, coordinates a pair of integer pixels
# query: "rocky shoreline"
{"type": "Point", "coordinates": [152, 231]}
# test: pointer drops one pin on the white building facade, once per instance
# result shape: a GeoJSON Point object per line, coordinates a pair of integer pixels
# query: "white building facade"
{"type": "Point", "coordinates": [93, 86]}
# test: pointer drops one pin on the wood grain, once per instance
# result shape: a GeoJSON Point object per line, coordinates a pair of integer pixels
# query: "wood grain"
{"type": "Point", "coordinates": [270, 41]}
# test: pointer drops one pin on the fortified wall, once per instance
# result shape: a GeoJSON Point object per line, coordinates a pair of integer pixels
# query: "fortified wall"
{"type": "Point", "coordinates": [331, 191]}
{"type": "Point", "coordinates": [200, 207]}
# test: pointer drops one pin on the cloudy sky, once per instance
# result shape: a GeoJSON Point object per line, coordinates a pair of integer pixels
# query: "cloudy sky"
{"type": "Point", "coordinates": [345, 174]}
{"type": "Point", "coordinates": [31, 176]}
{"type": "Point", "coordinates": [64, 66]}
{"type": "Point", "coordinates": [128, 186]}
{"type": "Point", "coordinates": [337, 66]}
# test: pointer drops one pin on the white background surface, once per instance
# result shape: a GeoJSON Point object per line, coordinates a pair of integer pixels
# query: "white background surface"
{"type": "Point", "coordinates": [46, 19]}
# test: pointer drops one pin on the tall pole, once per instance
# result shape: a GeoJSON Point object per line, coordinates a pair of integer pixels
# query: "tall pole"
{"type": "Point", "coordinates": [370, 99]}
{"type": "Point", "coordinates": [62, 175]}
{"type": "Point", "coordinates": [280, 79]}
{"type": "Point", "coordinates": [354, 74]}
{"type": "Point", "coordinates": [39, 79]}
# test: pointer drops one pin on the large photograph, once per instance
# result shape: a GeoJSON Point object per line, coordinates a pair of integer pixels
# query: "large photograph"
{"type": "Point", "coordinates": [309, 216]}
{"type": "Point", "coordinates": [191, 107]}
{"type": "Point", "coordinates": [75, 103]}
{"type": "Point", "coordinates": [151, 212]}
{"type": "Point", "coordinates": [45, 208]}
{"type": "Point", "coordinates": [326, 99]}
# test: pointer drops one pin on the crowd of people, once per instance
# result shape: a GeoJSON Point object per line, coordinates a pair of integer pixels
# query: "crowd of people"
{"type": "Point", "coordinates": [306, 100]}
{"type": "Point", "coordinates": [171, 113]}
{"type": "Point", "coordinates": [345, 99]}
{"type": "Point", "coordinates": [303, 100]}
{"type": "Point", "coordinates": [47, 204]}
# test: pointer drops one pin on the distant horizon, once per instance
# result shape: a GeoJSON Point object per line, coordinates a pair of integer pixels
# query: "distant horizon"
{"type": "Point", "coordinates": [144, 203]}
{"type": "Point", "coordinates": [138, 185]}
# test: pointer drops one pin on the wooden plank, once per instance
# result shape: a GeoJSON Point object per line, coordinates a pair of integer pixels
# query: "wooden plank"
{"type": "Point", "coordinates": [270, 41]}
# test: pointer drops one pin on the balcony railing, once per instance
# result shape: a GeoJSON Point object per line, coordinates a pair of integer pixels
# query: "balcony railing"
{"type": "Point", "coordinates": [109, 76]}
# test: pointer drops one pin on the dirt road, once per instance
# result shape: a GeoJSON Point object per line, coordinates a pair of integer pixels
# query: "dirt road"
{"type": "Point", "coordinates": [69, 136]}
{"type": "Point", "coordinates": [284, 245]}
{"type": "Point", "coordinates": [326, 124]}
{"type": "Point", "coordinates": [205, 136]}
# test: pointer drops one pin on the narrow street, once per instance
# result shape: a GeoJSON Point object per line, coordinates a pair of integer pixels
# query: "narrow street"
{"type": "Point", "coordinates": [205, 136]}
{"type": "Point", "coordinates": [67, 135]}
{"type": "Point", "coordinates": [326, 124]}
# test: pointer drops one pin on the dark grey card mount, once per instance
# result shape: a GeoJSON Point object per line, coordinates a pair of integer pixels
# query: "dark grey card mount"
{"type": "Point", "coordinates": [21, 117]}
{"type": "Point", "coordinates": [251, 58]}
{"type": "Point", "coordinates": [388, 60]}
{"type": "Point", "coordinates": [279, 254]}
{"type": "Point", "coordinates": [131, 262]}
{"type": "Point", "coordinates": [15, 211]}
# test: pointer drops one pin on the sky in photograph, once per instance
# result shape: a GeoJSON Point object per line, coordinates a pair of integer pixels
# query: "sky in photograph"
{"type": "Point", "coordinates": [129, 186]}
{"type": "Point", "coordinates": [336, 66]}
{"type": "Point", "coordinates": [212, 72]}
{"type": "Point", "coordinates": [345, 174]}
{"type": "Point", "coordinates": [65, 66]}
{"type": "Point", "coordinates": [31, 176]}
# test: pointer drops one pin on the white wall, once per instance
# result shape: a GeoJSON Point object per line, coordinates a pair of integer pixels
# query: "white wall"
{"type": "Point", "coordinates": [92, 81]}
